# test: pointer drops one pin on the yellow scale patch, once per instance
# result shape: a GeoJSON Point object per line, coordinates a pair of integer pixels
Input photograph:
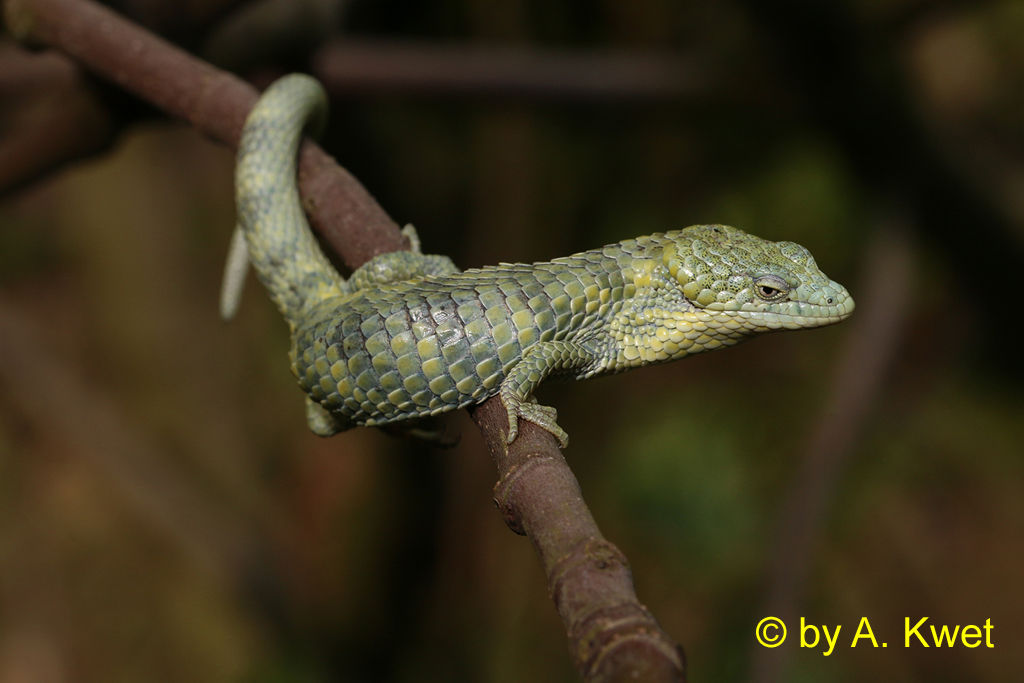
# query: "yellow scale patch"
{"type": "Point", "coordinates": [659, 335]}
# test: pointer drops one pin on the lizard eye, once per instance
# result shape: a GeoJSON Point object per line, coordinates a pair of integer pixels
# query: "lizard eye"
{"type": "Point", "coordinates": [771, 287]}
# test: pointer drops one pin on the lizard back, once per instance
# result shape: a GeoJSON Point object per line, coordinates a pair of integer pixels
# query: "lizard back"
{"type": "Point", "coordinates": [426, 346]}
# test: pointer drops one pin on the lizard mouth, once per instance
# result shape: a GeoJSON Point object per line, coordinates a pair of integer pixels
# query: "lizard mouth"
{"type": "Point", "coordinates": [796, 315]}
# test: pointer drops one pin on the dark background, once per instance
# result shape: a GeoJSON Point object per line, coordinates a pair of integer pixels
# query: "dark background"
{"type": "Point", "coordinates": [166, 516]}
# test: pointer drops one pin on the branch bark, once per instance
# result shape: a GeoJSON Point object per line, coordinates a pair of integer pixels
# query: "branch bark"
{"type": "Point", "coordinates": [351, 65]}
{"type": "Point", "coordinates": [213, 101]}
{"type": "Point", "coordinates": [612, 637]}
{"type": "Point", "coordinates": [53, 115]}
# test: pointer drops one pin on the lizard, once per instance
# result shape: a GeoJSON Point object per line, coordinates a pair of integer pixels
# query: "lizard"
{"type": "Point", "coordinates": [409, 335]}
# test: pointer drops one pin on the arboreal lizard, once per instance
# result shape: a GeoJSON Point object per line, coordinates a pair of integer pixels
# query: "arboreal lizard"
{"type": "Point", "coordinates": [408, 335]}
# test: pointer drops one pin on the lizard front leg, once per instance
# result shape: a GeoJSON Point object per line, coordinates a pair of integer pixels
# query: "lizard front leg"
{"type": "Point", "coordinates": [517, 389]}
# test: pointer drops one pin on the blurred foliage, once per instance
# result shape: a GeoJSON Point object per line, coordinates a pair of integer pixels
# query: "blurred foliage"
{"type": "Point", "coordinates": [370, 559]}
{"type": "Point", "coordinates": [694, 503]}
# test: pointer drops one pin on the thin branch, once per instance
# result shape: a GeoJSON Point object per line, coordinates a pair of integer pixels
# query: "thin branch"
{"type": "Point", "coordinates": [348, 66]}
{"type": "Point", "coordinates": [612, 636]}
{"type": "Point", "coordinates": [53, 116]}
{"type": "Point", "coordinates": [213, 101]}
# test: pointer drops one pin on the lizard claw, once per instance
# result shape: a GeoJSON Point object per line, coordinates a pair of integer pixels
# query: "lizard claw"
{"type": "Point", "coordinates": [544, 417]}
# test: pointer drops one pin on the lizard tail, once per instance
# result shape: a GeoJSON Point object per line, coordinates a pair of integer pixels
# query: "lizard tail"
{"type": "Point", "coordinates": [281, 246]}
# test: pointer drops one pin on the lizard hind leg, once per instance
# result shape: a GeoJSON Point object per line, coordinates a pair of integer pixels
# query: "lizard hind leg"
{"type": "Point", "coordinates": [321, 421]}
{"type": "Point", "coordinates": [397, 266]}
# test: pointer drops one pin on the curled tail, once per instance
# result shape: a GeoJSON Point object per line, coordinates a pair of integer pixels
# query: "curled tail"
{"type": "Point", "coordinates": [281, 246]}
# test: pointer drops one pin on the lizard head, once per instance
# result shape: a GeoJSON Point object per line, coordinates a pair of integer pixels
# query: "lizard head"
{"type": "Point", "coordinates": [710, 286]}
{"type": "Point", "coordinates": [760, 284]}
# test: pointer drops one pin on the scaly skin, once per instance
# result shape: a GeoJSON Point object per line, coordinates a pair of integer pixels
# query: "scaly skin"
{"type": "Point", "coordinates": [409, 336]}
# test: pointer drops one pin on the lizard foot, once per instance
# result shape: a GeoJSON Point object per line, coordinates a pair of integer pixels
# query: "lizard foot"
{"type": "Point", "coordinates": [409, 233]}
{"type": "Point", "coordinates": [544, 417]}
{"type": "Point", "coordinates": [321, 421]}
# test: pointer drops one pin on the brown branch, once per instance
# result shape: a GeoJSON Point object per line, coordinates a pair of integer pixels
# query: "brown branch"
{"type": "Point", "coordinates": [859, 382]}
{"type": "Point", "coordinates": [612, 636]}
{"type": "Point", "coordinates": [213, 101]}
{"type": "Point", "coordinates": [52, 115]}
{"type": "Point", "coordinates": [176, 18]}
{"type": "Point", "coordinates": [347, 66]}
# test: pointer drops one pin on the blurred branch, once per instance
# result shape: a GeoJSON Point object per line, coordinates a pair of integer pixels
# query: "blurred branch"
{"type": "Point", "coordinates": [74, 122]}
{"type": "Point", "coordinates": [57, 402]}
{"type": "Point", "coordinates": [348, 66]}
{"type": "Point", "coordinates": [213, 101]}
{"type": "Point", "coordinates": [54, 116]}
{"type": "Point", "coordinates": [612, 636]}
{"type": "Point", "coordinates": [858, 384]}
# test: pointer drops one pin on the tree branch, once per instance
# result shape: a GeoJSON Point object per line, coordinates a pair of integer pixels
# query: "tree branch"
{"type": "Point", "coordinates": [54, 115]}
{"type": "Point", "coordinates": [612, 636]}
{"type": "Point", "coordinates": [353, 65]}
{"type": "Point", "coordinates": [213, 101]}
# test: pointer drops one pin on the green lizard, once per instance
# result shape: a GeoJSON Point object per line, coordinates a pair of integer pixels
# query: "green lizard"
{"type": "Point", "coordinates": [408, 335]}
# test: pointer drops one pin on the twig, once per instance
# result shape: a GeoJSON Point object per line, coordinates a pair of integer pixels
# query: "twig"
{"type": "Point", "coordinates": [53, 115]}
{"type": "Point", "coordinates": [612, 636]}
{"type": "Point", "coordinates": [351, 65]}
{"type": "Point", "coordinates": [213, 101]}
